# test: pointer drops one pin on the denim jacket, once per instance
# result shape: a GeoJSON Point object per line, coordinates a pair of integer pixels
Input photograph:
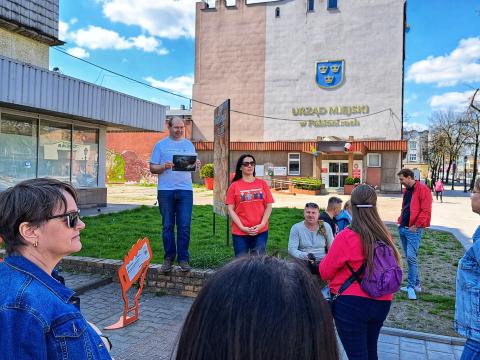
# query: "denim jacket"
{"type": "Point", "coordinates": [467, 305]}
{"type": "Point", "coordinates": [38, 319]}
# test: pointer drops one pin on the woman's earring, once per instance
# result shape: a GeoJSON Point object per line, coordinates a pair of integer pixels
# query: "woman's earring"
{"type": "Point", "coordinates": [35, 244]}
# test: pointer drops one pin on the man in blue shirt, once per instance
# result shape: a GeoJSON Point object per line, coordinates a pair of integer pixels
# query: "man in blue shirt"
{"type": "Point", "coordinates": [175, 194]}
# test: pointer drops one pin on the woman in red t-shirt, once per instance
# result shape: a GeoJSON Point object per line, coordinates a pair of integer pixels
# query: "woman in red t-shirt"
{"type": "Point", "coordinates": [358, 316]}
{"type": "Point", "coordinates": [249, 202]}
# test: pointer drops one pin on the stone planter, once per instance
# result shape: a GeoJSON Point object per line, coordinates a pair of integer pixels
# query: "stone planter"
{"type": "Point", "coordinates": [320, 191]}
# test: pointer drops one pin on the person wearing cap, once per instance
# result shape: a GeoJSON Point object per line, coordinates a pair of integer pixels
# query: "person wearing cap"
{"type": "Point", "coordinates": [310, 236]}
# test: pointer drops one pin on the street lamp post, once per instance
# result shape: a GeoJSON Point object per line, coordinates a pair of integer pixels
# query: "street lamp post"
{"type": "Point", "coordinates": [465, 174]}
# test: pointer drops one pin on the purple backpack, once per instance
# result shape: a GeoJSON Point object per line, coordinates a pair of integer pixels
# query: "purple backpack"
{"type": "Point", "coordinates": [386, 275]}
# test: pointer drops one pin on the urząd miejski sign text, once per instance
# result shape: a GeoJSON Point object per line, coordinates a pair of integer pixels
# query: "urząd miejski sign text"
{"type": "Point", "coordinates": [330, 111]}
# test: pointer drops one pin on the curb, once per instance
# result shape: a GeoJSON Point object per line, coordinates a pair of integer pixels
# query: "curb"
{"type": "Point", "coordinates": [91, 285]}
{"type": "Point", "coordinates": [450, 340]}
{"type": "Point", "coordinates": [465, 241]}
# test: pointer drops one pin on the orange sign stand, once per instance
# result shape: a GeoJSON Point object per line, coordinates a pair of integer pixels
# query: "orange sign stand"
{"type": "Point", "coordinates": [134, 267]}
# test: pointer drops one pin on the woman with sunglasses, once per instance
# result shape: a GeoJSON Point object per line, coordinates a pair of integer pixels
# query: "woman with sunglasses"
{"type": "Point", "coordinates": [249, 202]}
{"type": "Point", "coordinates": [39, 316]}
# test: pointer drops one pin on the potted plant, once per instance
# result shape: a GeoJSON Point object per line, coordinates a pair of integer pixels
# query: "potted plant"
{"type": "Point", "coordinates": [207, 172]}
{"type": "Point", "coordinates": [349, 185]}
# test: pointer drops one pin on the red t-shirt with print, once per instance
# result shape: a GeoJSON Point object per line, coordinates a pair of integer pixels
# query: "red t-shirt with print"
{"type": "Point", "coordinates": [250, 200]}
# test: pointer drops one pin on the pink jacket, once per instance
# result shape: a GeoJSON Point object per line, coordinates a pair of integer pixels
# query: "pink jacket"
{"type": "Point", "coordinates": [439, 185]}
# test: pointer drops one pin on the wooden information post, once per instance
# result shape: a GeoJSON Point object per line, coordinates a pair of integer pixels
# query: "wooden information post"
{"type": "Point", "coordinates": [134, 268]}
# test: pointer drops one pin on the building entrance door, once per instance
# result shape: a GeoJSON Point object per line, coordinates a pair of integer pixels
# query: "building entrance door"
{"type": "Point", "coordinates": [337, 173]}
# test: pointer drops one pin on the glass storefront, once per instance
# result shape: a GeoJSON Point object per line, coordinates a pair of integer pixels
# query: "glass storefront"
{"type": "Point", "coordinates": [32, 147]}
{"type": "Point", "coordinates": [18, 149]}
{"type": "Point", "coordinates": [85, 157]}
{"type": "Point", "coordinates": [54, 151]}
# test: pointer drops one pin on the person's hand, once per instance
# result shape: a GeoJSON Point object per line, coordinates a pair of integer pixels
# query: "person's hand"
{"type": "Point", "coordinates": [198, 165]}
{"type": "Point", "coordinates": [168, 165]}
{"type": "Point", "coordinates": [413, 228]}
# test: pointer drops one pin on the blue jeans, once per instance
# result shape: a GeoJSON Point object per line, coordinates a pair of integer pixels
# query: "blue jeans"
{"type": "Point", "coordinates": [411, 243]}
{"type": "Point", "coordinates": [358, 321]}
{"type": "Point", "coordinates": [245, 244]}
{"type": "Point", "coordinates": [176, 208]}
{"type": "Point", "coordinates": [471, 351]}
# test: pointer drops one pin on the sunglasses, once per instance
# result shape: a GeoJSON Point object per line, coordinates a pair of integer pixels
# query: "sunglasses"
{"type": "Point", "coordinates": [248, 163]}
{"type": "Point", "coordinates": [72, 218]}
{"type": "Point", "coordinates": [311, 205]}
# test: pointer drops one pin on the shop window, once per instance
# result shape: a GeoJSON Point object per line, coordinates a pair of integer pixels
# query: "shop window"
{"type": "Point", "coordinates": [331, 4]}
{"type": "Point", "coordinates": [230, 2]}
{"type": "Point", "coordinates": [294, 164]}
{"type": "Point", "coordinates": [310, 5]}
{"type": "Point", "coordinates": [413, 157]}
{"type": "Point", "coordinates": [54, 151]}
{"type": "Point", "coordinates": [374, 160]}
{"type": "Point", "coordinates": [277, 12]}
{"type": "Point", "coordinates": [85, 157]}
{"type": "Point", "coordinates": [18, 149]}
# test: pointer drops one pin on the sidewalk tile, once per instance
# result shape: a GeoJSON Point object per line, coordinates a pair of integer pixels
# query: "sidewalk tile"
{"type": "Point", "coordinates": [388, 356]}
{"type": "Point", "coordinates": [436, 355]}
{"type": "Point", "coordinates": [389, 348]}
{"type": "Point", "coordinates": [446, 348]}
{"type": "Point", "coordinates": [412, 347]}
{"type": "Point", "coordinates": [408, 355]}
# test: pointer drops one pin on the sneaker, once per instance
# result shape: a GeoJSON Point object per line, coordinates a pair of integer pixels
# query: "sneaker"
{"type": "Point", "coordinates": [184, 266]}
{"type": "Point", "coordinates": [411, 294]}
{"type": "Point", "coordinates": [417, 288]}
{"type": "Point", "coordinates": [167, 266]}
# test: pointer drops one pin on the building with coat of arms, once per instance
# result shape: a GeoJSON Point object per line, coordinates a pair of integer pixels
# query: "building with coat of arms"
{"type": "Point", "coordinates": [316, 86]}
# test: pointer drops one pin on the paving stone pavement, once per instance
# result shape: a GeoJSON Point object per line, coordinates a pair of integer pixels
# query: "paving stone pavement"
{"type": "Point", "coordinates": [155, 334]}
{"type": "Point", "coordinates": [75, 280]}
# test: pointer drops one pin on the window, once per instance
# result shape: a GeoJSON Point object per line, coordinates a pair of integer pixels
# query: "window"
{"type": "Point", "coordinates": [18, 149]}
{"type": "Point", "coordinates": [412, 145]}
{"type": "Point", "coordinates": [413, 157]}
{"type": "Point", "coordinates": [374, 160]}
{"type": "Point", "coordinates": [331, 4]}
{"type": "Point", "coordinates": [85, 157]}
{"type": "Point", "coordinates": [230, 2]}
{"type": "Point", "coordinates": [54, 152]}
{"type": "Point", "coordinates": [294, 164]}
{"type": "Point", "coordinates": [277, 12]}
{"type": "Point", "coordinates": [310, 5]}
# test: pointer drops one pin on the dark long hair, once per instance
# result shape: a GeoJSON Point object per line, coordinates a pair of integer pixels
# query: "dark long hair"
{"type": "Point", "coordinates": [259, 308]}
{"type": "Point", "coordinates": [238, 171]}
{"type": "Point", "coordinates": [367, 223]}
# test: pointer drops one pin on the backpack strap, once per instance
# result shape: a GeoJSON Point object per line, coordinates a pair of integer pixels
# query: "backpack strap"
{"type": "Point", "coordinates": [354, 277]}
{"type": "Point", "coordinates": [357, 273]}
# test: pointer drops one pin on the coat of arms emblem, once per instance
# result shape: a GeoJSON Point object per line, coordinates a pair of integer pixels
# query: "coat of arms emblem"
{"type": "Point", "coordinates": [330, 74]}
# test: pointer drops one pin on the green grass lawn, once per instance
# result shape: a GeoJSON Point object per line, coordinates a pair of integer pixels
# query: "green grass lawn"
{"type": "Point", "coordinates": [111, 235]}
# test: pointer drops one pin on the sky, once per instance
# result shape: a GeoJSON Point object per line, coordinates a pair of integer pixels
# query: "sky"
{"type": "Point", "coordinates": [154, 42]}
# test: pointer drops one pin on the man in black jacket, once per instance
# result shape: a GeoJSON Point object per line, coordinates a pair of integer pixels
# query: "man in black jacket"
{"type": "Point", "coordinates": [334, 207]}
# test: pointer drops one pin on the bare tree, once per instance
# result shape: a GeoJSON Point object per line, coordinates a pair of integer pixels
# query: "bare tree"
{"type": "Point", "coordinates": [453, 133]}
{"type": "Point", "coordinates": [473, 124]}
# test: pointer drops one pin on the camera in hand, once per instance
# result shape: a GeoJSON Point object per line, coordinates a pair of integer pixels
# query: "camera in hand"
{"type": "Point", "coordinates": [312, 264]}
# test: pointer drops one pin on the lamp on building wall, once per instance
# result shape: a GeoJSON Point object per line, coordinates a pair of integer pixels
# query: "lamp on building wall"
{"type": "Point", "coordinates": [348, 146]}
{"type": "Point", "coordinates": [465, 174]}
